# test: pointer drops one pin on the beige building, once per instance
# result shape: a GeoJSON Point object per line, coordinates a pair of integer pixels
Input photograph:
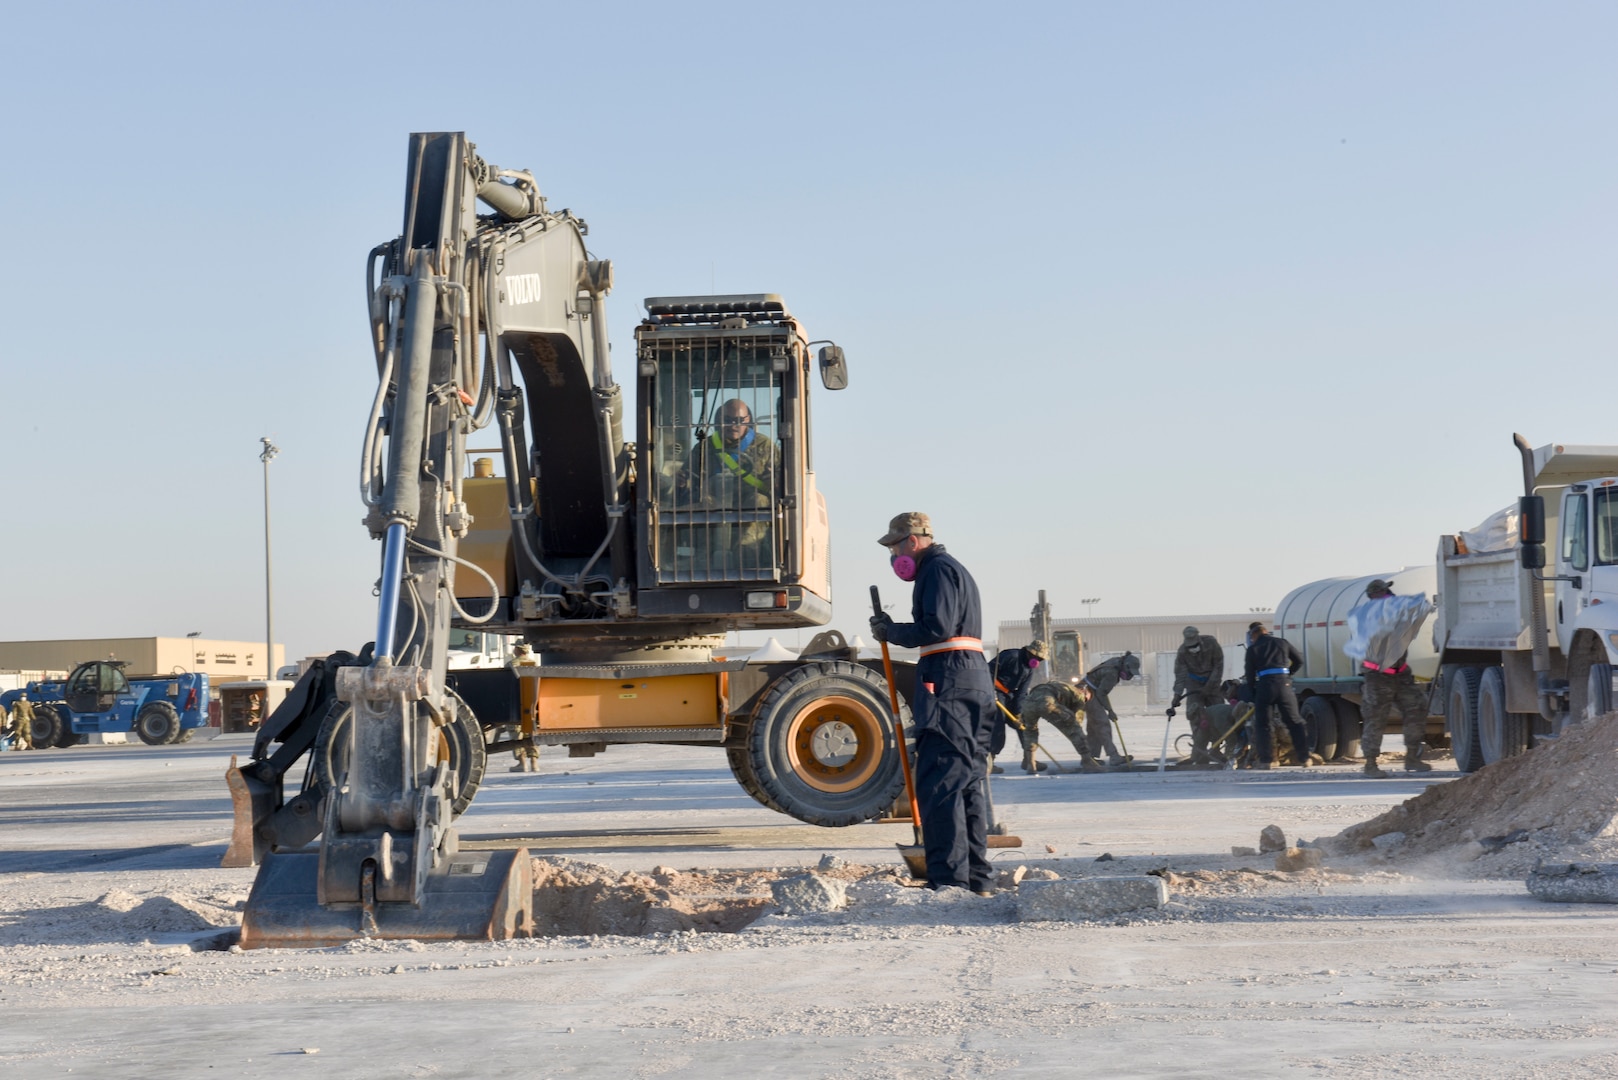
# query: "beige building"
{"type": "Point", "coordinates": [221, 660]}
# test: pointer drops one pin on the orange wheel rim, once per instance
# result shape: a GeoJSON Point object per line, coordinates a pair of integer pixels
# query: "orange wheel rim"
{"type": "Point", "coordinates": [835, 744]}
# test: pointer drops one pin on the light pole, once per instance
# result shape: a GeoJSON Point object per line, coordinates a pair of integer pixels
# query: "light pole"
{"type": "Point", "coordinates": [266, 456]}
{"type": "Point", "coordinates": [1088, 603]}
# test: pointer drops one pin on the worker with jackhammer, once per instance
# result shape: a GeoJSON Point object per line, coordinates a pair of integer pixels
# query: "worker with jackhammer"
{"type": "Point", "coordinates": [1270, 663]}
{"type": "Point", "coordinates": [953, 706]}
{"type": "Point", "coordinates": [1013, 673]}
{"type": "Point", "coordinates": [1199, 668]}
{"type": "Point", "coordinates": [1059, 702]}
{"type": "Point", "coordinates": [1390, 685]}
{"type": "Point", "coordinates": [1099, 715]}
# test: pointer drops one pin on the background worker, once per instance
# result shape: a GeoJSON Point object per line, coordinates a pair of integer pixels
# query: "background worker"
{"type": "Point", "coordinates": [953, 704]}
{"type": "Point", "coordinates": [1270, 664]}
{"type": "Point", "coordinates": [527, 757]}
{"type": "Point", "coordinates": [1227, 719]}
{"type": "Point", "coordinates": [1099, 716]}
{"type": "Point", "coordinates": [1390, 685]}
{"type": "Point", "coordinates": [1199, 668]}
{"type": "Point", "coordinates": [22, 716]}
{"type": "Point", "coordinates": [1059, 702]}
{"type": "Point", "coordinates": [1013, 673]}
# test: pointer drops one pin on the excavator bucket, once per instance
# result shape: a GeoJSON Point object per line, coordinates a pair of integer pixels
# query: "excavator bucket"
{"type": "Point", "coordinates": [472, 896]}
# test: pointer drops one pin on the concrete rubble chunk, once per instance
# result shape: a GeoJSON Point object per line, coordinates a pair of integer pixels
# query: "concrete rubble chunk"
{"type": "Point", "coordinates": [1241, 851]}
{"type": "Point", "coordinates": [1387, 841]}
{"type": "Point", "coordinates": [830, 862]}
{"type": "Point", "coordinates": [1575, 883]}
{"type": "Point", "coordinates": [1272, 839]}
{"type": "Point", "coordinates": [809, 894]}
{"type": "Point", "coordinates": [1298, 858]}
{"type": "Point", "coordinates": [1010, 879]}
{"type": "Point", "coordinates": [1041, 874]}
{"type": "Point", "coordinates": [1088, 898]}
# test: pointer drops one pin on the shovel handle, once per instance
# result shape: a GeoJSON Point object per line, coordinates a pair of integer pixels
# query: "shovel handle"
{"type": "Point", "coordinates": [898, 724]}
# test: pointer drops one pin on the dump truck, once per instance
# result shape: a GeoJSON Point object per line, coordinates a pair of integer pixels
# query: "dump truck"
{"type": "Point", "coordinates": [98, 699]}
{"type": "Point", "coordinates": [621, 559]}
{"type": "Point", "coordinates": [1314, 618]}
{"type": "Point", "coordinates": [1523, 654]}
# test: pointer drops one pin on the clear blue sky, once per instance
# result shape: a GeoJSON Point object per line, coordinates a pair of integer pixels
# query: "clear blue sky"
{"type": "Point", "coordinates": [1178, 305]}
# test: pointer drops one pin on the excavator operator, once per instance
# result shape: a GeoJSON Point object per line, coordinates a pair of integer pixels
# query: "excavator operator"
{"type": "Point", "coordinates": [734, 469]}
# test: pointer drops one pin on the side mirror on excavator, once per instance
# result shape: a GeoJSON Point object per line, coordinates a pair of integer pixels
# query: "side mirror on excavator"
{"type": "Point", "coordinates": [1531, 531]}
{"type": "Point", "coordinates": [833, 368]}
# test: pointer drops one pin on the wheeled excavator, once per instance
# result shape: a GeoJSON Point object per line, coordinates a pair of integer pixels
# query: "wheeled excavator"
{"type": "Point", "coordinates": [623, 562]}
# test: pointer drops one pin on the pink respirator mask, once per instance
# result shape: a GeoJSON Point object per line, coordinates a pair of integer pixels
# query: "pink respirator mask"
{"type": "Point", "coordinates": [904, 566]}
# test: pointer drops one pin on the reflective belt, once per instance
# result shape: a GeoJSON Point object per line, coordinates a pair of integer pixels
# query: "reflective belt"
{"type": "Point", "coordinates": [1199, 678]}
{"type": "Point", "coordinates": [965, 644]}
{"type": "Point", "coordinates": [1000, 686]}
{"type": "Point", "coordinates": [734, 465]}
{"type": "Point", "coordinates": [1273, 671]}
{"type": "Point", "coordinates": [1400, 670]}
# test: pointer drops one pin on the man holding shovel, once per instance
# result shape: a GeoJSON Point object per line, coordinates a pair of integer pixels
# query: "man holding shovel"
{"type": "Point", "coordinates": [953, 704]}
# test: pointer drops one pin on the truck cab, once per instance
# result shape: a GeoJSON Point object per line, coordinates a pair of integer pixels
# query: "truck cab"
{"type": "Point", "coordinates": [1584, 610]}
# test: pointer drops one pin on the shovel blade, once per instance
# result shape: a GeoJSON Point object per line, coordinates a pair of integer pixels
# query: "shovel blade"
{"type": "Point", "coordinates": [915, 857]}
{"type": "Point", "coordinates": [472, 896]}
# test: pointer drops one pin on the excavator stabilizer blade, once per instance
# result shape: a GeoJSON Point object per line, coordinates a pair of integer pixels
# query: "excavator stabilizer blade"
{"type": "Point", "coordinates": [473, 896]}
{"type": "Point", "coordinates": [240, 853]}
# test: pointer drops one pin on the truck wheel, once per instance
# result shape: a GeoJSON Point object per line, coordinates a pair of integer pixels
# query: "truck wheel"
{"type": "Point", "coordinates": [1461, 718]}
{"type": "Point", "coordinates": [1349, 723]}
{"type": "Point", "coordinates": [1501, 734]}
{"type": "Point", "coordinates": [50, 728]}
{"type": "Point", "coordinates": [1320, 724]}
{"type": "Point", "coordinates": [741, 767]}
{"type": "Point", "coordinates": [1598, 692]}
{"type": "Point", "coordinates": [158, 724]}
{"type": "Point", "coordinates": [821, 744]}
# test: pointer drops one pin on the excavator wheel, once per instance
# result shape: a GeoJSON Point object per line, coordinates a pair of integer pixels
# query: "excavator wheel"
{"type": "Point", "coordinates": [821, 745]}
{"type": "Point", "coordinates": [463, 738]}
{"type": "Point", "coordinates": [741, 766]}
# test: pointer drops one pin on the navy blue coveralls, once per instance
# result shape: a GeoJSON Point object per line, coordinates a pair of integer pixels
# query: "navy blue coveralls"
{"type": "Point", "coordinates": [1270, 664]}
{"type": "Point", "coordinates": [953, 719]}
{"type": "Point", "coordinates": [1011, 671]}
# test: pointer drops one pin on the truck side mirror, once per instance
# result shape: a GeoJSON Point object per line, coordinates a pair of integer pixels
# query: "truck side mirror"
{"type": "Point", "coordinates": [833, 368]}
{"type": "Point", "coordinates": [1531, 531]}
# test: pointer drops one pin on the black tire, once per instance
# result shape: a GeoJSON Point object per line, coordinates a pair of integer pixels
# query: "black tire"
{"type": "Point", "coordinates": [1320, 724]}
{"type": "Point", "coordinates": [50, 728]}
{"type": "Point", "coordinates": [741, 767]}
{"type": "Point", "coordinates": [1598, 692]}
{"type": "Point", "coordinates": [157, 724]}
{"type": "Point", "coordinates": [1501, 734]}
{"type": "Point", "coordinates": [185, 736]}
{"type": "Point", "coordinates": [797, 754]}
{"type": "Point", "coordinates": [1349, 726]}
{"type": "Point", "coordinates": [1461, 718]}
{"type": "Point", "coordinates": [468, 754]}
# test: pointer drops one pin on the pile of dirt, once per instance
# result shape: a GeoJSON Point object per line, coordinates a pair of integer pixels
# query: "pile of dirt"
{"type": "Point", "coordinates": [122, 916]}
{"type": "Point", "coordinates": [1559, 795]}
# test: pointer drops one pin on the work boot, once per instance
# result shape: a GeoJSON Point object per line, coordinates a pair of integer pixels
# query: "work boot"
{"type": "Point", "coordinates": [1029, 765]}
{"type": "Point", "coordinates": [1262, 766]}
{"type": "Point", "coordinates": [1413, 762]}
{"type": "Point", "coordinates": [521, 766]}
{"type": "Point", "coordinates": [1090, 765]}
{"type": "Point", "coordinates": [995, 770]}
{"type": "Point", "coordinates": [1372, 770]}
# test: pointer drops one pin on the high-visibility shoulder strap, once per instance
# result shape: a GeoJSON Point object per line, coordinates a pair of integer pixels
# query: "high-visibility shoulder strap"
{"type": "Point", "coordinates": [733, 464]}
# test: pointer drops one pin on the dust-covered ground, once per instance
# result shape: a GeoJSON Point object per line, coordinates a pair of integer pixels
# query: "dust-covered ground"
{"type": "Point", "coordinates": [665, 954]}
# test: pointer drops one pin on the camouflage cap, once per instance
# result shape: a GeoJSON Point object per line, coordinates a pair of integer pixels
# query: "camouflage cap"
{"type": "Point", "coordinates": [1191, 633]}
{"type": "Point", "coordinates": [520, 649]}
{"type": "Point", "coordinates": [1378, 587]}
{"type": "Point", "coordinates": [915, 523]}
{"type": "Point", "coordinates": [1038, 648]}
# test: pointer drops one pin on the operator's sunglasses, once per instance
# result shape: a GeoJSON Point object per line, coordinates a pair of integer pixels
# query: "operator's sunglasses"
{"type": "Point", "coordinates": [737, 421]}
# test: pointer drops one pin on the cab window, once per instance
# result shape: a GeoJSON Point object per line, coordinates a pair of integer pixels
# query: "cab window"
{"type": "Point", "coordinates": [1575, 530]}
{"type": "Point", "coordinates": [1606, 530]}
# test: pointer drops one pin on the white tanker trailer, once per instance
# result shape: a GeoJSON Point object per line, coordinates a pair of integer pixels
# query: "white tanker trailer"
{"type": "Point", "coordinates": [1314, 617]}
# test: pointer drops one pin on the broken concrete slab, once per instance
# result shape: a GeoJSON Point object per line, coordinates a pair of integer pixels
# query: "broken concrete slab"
{"type": "Point", "coordinates": [1272, 839]}
{"type": "Point", "coordinates": [1388, 841]}
{"type": "Point", "coordinates": [1298, 858]}
{"type": "Point", "coordinates": [1241, 852]}
{"type": "Point", "coordinates": [1575, 883]}
{"type": "Point", "coordinates": [1088, 898]}
{"type": "Point", "coordinates": [809, 894]}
